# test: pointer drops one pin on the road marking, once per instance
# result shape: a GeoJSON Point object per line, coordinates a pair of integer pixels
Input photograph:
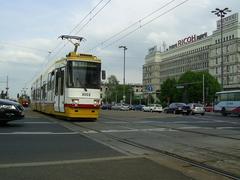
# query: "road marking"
{"type": "Point", "coordinates": [190, 127]}
{"type": "Point", "coordinates": [227, 127]}
{"type": "Point", "coordinates": [116, 122]}
{"type": "Point", "coordinates": [128, 130]}
{"type": "Point", "coordinates": [90, 132]}
{"type": "Point", "coordinates": [47, 163]}
{"type": "Point", "coordinates": [35, 123]}
{"type": "Point", "coordinates": [39, 133]}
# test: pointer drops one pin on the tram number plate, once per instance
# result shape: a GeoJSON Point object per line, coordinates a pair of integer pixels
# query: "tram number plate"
{"type": "Point", "coordinates": [86, 94]}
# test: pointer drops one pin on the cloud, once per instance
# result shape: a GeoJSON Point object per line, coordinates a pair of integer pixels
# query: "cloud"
{"type": "Point", "coordinates": [18, 57]}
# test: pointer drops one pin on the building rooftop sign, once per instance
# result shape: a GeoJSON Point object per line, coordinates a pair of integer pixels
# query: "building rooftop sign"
{"type": "Point", "coordinates": [188, 40]}
{"type": "Point", "coordinates": [228, 20]}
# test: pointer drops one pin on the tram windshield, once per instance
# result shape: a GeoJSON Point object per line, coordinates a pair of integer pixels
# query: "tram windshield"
{"type": "Point", "coordinates": [83, 74]}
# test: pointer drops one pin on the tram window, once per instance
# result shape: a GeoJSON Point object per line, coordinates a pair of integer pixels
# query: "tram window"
{"type": "Point", "coordinates": [44, 93]}
{"type": "Point", "coordinates": [52, 81]}
{"type": "Point", "coordinates": [56, 83]}
{"type": "Point", "coordinates": [62, 81]}
{"type": "Point", "coordinates": [49, 82]}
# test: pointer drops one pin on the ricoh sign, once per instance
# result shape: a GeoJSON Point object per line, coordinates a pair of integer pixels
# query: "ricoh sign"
{"type": "Point", "coordinates": [189, 39]}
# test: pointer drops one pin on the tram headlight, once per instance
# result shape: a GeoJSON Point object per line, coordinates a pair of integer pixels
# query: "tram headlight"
{"type": "Point", "coordinates": [75, 101]}
{"type": "Point", "coordinates": [96, 101]}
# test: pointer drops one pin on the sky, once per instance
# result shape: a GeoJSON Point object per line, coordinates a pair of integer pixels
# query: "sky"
{"type": "Point", "coordinates": [30, 29]}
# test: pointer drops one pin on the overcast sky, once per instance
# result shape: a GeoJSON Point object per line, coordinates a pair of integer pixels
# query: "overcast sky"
{"type": "Point", "coordinates": [30, 29]}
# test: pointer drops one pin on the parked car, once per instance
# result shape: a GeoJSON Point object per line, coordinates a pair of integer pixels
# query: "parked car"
{"type": "Point", "coordinates": [106, 107]}
{"type": "Point", "coordinates": [121, 107]}
{"type": "Point", "coordinates": [124, 107]}
{"type": "Point", "coordinates": [153, 108]}
{"type": "Point", "coordinates": [146, 109]}
{"type": "Point", "coordinates": [116, 106]}
{"type": "Point", "coordinates": [132, 107]}
{"type": "Point", "coordinates": [178, 108]}
{"type": "Point", "coordinates": [139, 107]}
{"type": "Point", "coordinates": [208, 108]}
{"type": "Point", "coordinates": [196, 108]}
{"type": "Point", "coordinates": [10, 110]}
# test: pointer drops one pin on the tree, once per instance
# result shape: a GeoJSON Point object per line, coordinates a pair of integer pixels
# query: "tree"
{"type": "Point", "coordinates": [193, 87]}
{"type": "Point", "coordinates": [112, 89]}
{"type": "Point", "coordinates": [168, 91]}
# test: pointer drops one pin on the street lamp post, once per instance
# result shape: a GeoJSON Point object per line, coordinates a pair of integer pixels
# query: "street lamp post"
{"type": "Point", "coordinates": [124, 49]}
{"type": "Point", "coordinates": [221, 13]}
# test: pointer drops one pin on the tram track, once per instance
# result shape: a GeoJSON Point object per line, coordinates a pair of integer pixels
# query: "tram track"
{"type": "Point", "coordinates": [182, 130]}
{"type": "Point", "coordinates": [190, 161]}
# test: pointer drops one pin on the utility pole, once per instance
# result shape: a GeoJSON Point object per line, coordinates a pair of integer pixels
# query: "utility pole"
{"type": "Point", "coordinates": [203, 91]}
{"type": "Point", "coordinates": [7, 88]}
{"type": "Point", "coordinates": [124, 49]}
{"type": "Point", "coordinates": [221, 13]}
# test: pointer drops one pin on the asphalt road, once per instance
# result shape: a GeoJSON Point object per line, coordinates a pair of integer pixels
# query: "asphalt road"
{"type": "Point", "coordinates": [120, 145]}
{"type": "Point", "coordinates": [41, 147]}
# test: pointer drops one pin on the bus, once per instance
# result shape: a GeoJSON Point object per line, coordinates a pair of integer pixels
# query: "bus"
{"type": "Point", "coordinates": [70, 87]}
{"type": "Point", "coordinates": [227, 102]}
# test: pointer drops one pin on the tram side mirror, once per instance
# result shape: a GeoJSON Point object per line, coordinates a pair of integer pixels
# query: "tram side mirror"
{"type": "Point", "coordinates": [103, 74]}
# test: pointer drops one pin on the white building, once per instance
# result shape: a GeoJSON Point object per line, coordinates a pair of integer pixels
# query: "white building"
{"type": "Point", "coordinates": [197, 53]}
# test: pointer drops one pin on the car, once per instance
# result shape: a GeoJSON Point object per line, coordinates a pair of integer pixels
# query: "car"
{"type": "Point", "coordinates": [146, 109]}
{"type": "Point", "coordinates": [139, 107]}
{"type": "Point", "coordinates": [208, 108]}
{"type": "Point", "coordinates": [121, 107]}
{"type": "Point", "coordinates": [156, 108]}
{"type": "Point", "coordinates": [178, 108]}
{"type": "Point", "coordinates": [106, 107]}
{"type": "Point", "coordinates": [153, 108]}
{"type": "Point", "coordinates": [196, 108]}
{"type": "Point", "coordinates": [132, 107]}
{"type": "Point", "coordinates": [116, 106]}
{"type": "Point", "coordinates": [10, 110]}
{"type": "Point", "coordinates": [124, 107]}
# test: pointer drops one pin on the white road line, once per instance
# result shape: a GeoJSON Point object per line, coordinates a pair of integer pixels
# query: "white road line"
{"type": "Point", "coordinates": [90, 132]}
{"type": "Point", "coordinates": [47, 163]}
{"type": "Point", "coordinates": [190, 127]}
{"type": "Point", "coordinates": [35, 122]}
{"type": "Point", "coordinates": [227, 127]}
{"type": "Point", "coordinates": [116, 122]}
{"type": "Point", "coordinates": [129, 130]}
{"type": "Point", "coordinates": [39, 133]}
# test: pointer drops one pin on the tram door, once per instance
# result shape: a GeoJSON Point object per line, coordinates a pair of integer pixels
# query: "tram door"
{"type": "Point", "coordinates": [59, 91]}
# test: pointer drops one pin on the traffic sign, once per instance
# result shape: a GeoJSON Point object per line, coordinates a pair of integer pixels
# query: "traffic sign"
{"type": "Point", "coordinates": [179, 87]}
{"type": "Point", "coordinates": [149, 88]}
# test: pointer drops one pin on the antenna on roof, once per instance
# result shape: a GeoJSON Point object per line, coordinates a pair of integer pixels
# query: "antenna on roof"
{"type": "Point", "coordinates": [71, 38]}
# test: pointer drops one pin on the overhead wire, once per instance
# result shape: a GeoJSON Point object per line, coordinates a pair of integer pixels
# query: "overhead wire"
{"type": "Point", "coordinates": [131, 25]}
{"type": "Point", "coordinates": [84, 25]}
{"type": "Point", "coordinates": [75, 27]}
{"type": "Point", "coordinates": [142, 25]}
{"type": "Point", "coordinates": [81, 21]}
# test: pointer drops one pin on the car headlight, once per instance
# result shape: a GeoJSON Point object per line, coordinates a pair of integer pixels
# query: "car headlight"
{"type": "Point", "coordinates": [3, 106]}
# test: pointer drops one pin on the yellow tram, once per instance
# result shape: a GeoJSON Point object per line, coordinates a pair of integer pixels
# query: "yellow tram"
{"type": "Point", "coordinates": [70, 87]}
